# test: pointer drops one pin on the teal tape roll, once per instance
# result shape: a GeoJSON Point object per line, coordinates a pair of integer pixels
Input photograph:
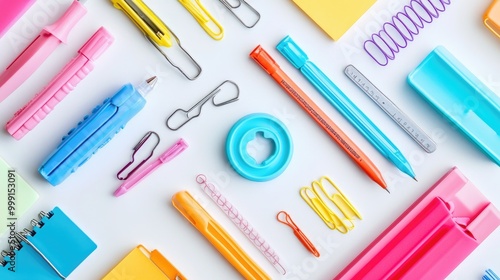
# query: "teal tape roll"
{"type": "Point", "coordinates": [243, 132]}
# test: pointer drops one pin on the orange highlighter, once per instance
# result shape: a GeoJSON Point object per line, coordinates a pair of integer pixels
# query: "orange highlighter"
{"type": "Point", "coordinates": [220, 239]}
{"type": "Point", "coordinates": [272, 68]}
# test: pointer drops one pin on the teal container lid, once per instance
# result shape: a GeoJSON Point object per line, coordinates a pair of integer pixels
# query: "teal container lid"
{"type": "Point", "coordinates": [461, 97]}
{"type": "Point", "coordinates": [243, 132]}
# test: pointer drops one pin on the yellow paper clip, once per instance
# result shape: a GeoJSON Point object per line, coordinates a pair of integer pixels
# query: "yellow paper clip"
{"type": "Point", "coordinates": [204, 18]}
{"type": "Point", "coordinates": [313, 196]}
{"type": "Point", "coordinates": [154, 29]}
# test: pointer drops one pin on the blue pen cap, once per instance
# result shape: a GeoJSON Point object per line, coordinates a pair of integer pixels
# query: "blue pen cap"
{"type": "Point", "coordinates": [291, 51]}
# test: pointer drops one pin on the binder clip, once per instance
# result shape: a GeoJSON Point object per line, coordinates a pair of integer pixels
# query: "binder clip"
{"type": "Point", "coordinates": [204, 18]}
{"type": "Point", "coordinates": [155, 30]}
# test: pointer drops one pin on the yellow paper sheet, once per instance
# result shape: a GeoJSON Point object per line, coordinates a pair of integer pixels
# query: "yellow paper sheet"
{"type": "Point", "coordinates": [335, 17]}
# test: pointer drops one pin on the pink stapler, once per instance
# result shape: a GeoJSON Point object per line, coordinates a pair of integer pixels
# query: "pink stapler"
{"type": "Point", "coordinates": [432, 237]}
{"type": "Point", "coordinates": [61, 85]}
{"type": "Point", "coordinates": [38, 51]}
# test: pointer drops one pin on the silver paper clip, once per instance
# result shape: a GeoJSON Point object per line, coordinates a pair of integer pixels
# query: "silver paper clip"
{"type": "Point", "coordinates": [136, 148]}
{"type": "Point", "coordinates": [156, 31]}
{"type": "Point", "coordinates": [180, 116]}
{"type": "Point", "coordinates": [232, 9]}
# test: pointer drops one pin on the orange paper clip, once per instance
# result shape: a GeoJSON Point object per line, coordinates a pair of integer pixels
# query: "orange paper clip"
{"type": "Point", "coordinates": [298, 233]}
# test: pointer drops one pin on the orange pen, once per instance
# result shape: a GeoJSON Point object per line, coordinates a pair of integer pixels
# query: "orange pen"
{"type": "Point", "coordinates": [269, 65]}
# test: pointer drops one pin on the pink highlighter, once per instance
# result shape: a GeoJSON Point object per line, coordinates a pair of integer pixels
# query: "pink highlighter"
{"type": "Point", "coordinates": [38, 51]}
{"type": "Point", "coordinates": [11, 11]}
{"type": "Point", "coordinates": [63, 83]}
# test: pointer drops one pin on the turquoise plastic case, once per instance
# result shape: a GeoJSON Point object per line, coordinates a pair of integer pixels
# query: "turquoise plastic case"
{"type": "Point", "coordinates": [92, 133]}
{"type": "Point", "coordinates": [461, 97]}
{"type": "Point", "coordinates": [243, 132]}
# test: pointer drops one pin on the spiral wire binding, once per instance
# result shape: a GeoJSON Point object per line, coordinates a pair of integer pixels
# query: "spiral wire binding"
{"type": "Point", "coordinates": [245, 227]}
{"type": "Point", "coordinates": [396, 34]}
{"type": "Point", "coordinates": [22, 237]}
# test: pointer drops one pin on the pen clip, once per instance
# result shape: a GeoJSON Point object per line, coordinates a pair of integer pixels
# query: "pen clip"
{"type": "Point", "coordinates": [232, 9]}
{"type": "Point", "coordinates": [195, 111]}
{"type": "Point", "coordinates": [204, 18]}
{"type": "Point", "coordinates": [287, 220]}
{"type": "Point", "coordinates": [136, 148]}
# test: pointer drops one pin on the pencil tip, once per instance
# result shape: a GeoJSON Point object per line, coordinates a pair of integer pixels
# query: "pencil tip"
{"type": "Point", "coordinates": [415, 179]}
{"type": "Point", "coordinates": [387, 190]}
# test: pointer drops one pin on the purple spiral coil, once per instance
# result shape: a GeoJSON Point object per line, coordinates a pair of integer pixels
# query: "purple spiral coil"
{"type": "Point", "coordinates": [396, 34]}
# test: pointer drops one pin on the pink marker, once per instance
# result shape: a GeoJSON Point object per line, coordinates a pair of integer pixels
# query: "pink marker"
{"type": "Point", "coordinates": [38, 51]}
{"type": "Point", "coordinates": [137, 177]}
{"type": "Point", "coordinates": [63, 83]}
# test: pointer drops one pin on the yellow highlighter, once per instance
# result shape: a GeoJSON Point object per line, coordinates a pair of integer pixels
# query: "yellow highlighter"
{"type": "Point", "coordinates": [143, 264]}
{"type": "Point", "coordinates": [220, 239]}
{"type": "Point", "coordinates": [155, 30]}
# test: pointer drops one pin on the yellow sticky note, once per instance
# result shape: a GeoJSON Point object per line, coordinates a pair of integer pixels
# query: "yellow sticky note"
{"type": "Point", "coordinates": [16, 197]}
{"type": "Point", "coordinates": [335, 17]}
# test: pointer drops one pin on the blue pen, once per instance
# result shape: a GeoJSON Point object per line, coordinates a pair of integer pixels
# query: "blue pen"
{"type": "Point", "coordinates": [95, 131]}
{"type": "Point", "coordinates": [291, 51]}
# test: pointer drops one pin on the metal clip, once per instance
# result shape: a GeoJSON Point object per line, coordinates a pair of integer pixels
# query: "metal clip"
{"type": "Point", "coordinates": [204, 18]}
{"type": "Point", "coordinates": [231, 8]}
{"type": "Point", "coordinates": [155, 30]}
{"type": "Point", "coordinates": [136, 148]}
{"type": "Point", "coordinates": [195, 111]}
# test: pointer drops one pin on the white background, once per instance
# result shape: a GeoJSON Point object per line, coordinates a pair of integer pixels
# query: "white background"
{"type": "Point", "coordinates": [145, 214]}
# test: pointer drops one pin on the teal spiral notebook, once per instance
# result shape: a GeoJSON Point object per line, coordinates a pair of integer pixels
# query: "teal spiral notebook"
{"type": "Point", "coordinates": [53, 249]}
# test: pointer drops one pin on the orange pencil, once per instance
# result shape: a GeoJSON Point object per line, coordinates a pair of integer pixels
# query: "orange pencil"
{"type": "Point", "coordinates": [354, 152]}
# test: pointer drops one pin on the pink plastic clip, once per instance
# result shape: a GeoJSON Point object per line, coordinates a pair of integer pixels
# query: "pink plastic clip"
{"type": "Point", "coordinates": [61, 85]}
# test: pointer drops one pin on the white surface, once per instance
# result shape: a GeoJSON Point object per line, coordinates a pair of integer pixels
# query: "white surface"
{"type": "Point", "coordinates": [145, 214]}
